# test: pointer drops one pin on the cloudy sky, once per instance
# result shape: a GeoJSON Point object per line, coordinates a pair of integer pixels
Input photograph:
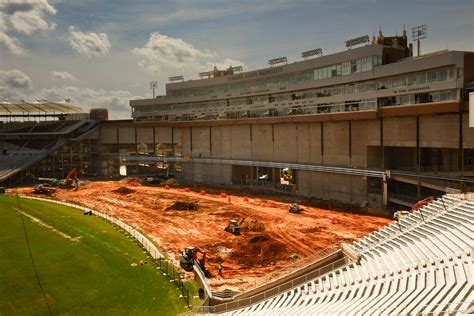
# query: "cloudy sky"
{"type": "Point", "coordinates": [103, 53]}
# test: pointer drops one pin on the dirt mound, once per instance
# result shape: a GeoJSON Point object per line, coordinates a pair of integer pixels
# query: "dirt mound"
{"type": "Point", "coordinates": [252, 225]}
{"type": "Point", "coordinates": [123, 191]}
{"type": "Point", "coordinates": [183, 206]}
{"type": "Point", "coordinates": [260, 250]}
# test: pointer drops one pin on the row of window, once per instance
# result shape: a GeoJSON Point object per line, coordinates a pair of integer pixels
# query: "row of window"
{"type": "Point", "coordinates": [427, 97]}
{"type": "Point", "coordinates": [363, 86]}
{"type": "Point", "coordinates": [348, 67]}
{"type": "Point", "coordinates": [345, 68]}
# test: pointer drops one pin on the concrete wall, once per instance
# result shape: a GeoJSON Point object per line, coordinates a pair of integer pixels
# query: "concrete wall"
{"type": "Point", "coordinates": [201, 142]}
{"type": "Point", "coordinates": [399, 131]}
{"type": "Point", "coordinates": [262, 142]}
{"type": "Point", "coordinates": [439, 131]}
{"type": "Point", "coordinates": [145, 135]}
{"type": "Point", "coordinates": [359, 144]}
{"type": "Point", "coordinates": [241, 147]}
{"type": "Point", "coordinates": [336, 143]}
{"type": "Point", "coordinates": [126, 135]}
{"type": "Point", "coordinates": [163, 135]}
{"type": "Point", "coordinates": [286, 142]}
{"type": "Point", "coordinates": [108, 135]}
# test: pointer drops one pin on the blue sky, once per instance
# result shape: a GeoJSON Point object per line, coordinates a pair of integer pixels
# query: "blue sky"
{"type": "Point", "coordinates": [103, 53]}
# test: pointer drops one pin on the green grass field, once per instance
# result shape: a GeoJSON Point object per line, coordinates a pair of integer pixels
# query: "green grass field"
{"type": "Point", "coordinates": [83, 265]}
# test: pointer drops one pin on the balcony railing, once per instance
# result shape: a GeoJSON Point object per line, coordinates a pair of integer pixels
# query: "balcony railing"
{"type": "Point", "coordinates": [303, 107]}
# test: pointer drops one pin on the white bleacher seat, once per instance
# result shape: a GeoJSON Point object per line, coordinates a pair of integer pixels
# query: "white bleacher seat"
{"type": "Point", "coordinates": [426, 267]}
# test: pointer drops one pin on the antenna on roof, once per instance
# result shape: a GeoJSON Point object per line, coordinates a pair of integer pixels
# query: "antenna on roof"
{"type": "Point", "coordinates": [418, 33]}
{"type": "Point", "coordinates": [313, 52]}
{"type": "Point", "coordinates": [278, 60]}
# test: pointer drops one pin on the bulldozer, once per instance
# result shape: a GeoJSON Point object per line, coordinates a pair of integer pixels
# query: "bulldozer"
{"type": "Point", "coordinates": [189, 256]}
{"type": "Point", "coordinates": [234, 227]}
{"type": "Point", "coordinates": [294, 208]}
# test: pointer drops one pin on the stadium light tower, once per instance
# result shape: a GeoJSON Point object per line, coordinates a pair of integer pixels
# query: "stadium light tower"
{"type": "Point", "coordinates": [153, 85]}
{"type": "Point", "coordinates": [418, 33]}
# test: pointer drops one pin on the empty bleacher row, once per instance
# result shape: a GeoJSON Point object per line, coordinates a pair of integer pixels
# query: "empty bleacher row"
{"type": "Point", "coordinates": [421, 264]}
{"type": "Point", "coordinates": [42, 127]}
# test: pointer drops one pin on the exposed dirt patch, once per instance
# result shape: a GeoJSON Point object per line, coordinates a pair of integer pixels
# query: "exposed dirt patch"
{"type": "Point", "coordinates": [252, 225]}
{"type": "Point", "coordinates": [271, 236]}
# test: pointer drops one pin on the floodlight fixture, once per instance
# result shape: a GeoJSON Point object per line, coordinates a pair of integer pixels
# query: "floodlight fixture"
{"type": "Point", "coordinates": [207, 74]}
{"type": "Point", "coordinates": [153, 85]}
{"type": "Point", "coordinates": [278, 60]}
{"type": "Point", "coordinates": [313, 52]}
{"type": "Point", "coordinates": [357, 41]}
{"type": "Point", "coordinates": [418, 33]}
{"type": "Point", "coordinates": [176, 78]}
{"type": "Point", "coordinates": [237, 69]}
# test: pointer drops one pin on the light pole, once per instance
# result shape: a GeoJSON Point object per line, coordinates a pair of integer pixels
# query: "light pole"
{"type": "Point", "coordinates": [153, 85]}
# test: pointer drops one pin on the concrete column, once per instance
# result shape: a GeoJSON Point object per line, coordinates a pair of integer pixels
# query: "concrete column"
{"type": "Point", "coordinates": [251, 176]}
{"type": "Point", "coordinates": [418, 157]}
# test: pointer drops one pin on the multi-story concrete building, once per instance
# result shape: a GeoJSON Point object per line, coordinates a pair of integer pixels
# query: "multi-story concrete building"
{"type": "Point", "coordinates": [369, 125]}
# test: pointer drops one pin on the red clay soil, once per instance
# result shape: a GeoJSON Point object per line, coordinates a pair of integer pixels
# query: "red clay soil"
{"type": "Point", "coordinates": [271, 236]}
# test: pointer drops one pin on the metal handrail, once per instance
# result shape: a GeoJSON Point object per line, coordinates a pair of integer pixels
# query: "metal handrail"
{"type": "Point", "coordinates": [375, 173]}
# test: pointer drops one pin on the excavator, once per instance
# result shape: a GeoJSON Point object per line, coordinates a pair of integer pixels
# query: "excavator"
{"type": "Point", "coordinates": [189, 256]}
{"type": "Point", "coordinates": [234, 227]}
{"type": "Point", "coordinates": [67, 183]}
{"type": "Point", "coordinates": [415, 207]}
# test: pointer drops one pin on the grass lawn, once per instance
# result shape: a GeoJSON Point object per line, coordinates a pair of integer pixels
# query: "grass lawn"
{"type": "Point", "coordinates": [82, 262]}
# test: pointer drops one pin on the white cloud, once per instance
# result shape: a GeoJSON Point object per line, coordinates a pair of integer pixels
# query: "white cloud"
{"type": "Point", "coordinates": [14, 79]}
{"type": "Point", "coordinates": [23, 16]}
{"type": "Point", "coordinates": [62, 76]}
{"type": "Point", "coordinates": [29, 22]}
{"type": "Point", "coordinates": [89, 44]}
{"type": "Point", "coordinates": [116, 101]}
{"type": "Point", "coordinates": [11, 44]}
{"type": "Point", "coordinates": [162, 52]}
{"type": "Point", "coordinates": [14, 6]}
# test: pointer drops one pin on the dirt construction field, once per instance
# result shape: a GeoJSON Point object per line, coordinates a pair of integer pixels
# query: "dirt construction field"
{"type": "Point", "coordinates": [271, 236]}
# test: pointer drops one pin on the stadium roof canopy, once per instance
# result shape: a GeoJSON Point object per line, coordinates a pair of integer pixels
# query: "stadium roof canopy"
{"type": "Point", "coordinates": [38, 108]}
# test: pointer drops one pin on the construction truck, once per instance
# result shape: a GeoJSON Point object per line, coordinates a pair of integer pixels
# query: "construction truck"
{"type": "Point", "coordinates": [234, 227]}
{"type": "Point", "coordinates": [190, 256]}
{"type": "Point", "coordinates": [294, 208]}
{"type": "Point", "coordinates": [68, 183]}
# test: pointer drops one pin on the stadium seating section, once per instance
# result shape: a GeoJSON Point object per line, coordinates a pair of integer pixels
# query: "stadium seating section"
{"type": "Point", "coordinates": [421, 264]}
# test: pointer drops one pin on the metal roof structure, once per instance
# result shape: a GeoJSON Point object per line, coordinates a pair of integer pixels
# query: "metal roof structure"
{"type": "Point", "coordinates": [38, 108]}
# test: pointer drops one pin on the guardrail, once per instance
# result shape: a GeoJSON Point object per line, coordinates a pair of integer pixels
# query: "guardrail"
{"type": "Point", "coordinates": [244, 302]}
{"type": "Point", "coordinates": [255, 163]}
{"type": "Point", "coordinates": [262, 110]}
